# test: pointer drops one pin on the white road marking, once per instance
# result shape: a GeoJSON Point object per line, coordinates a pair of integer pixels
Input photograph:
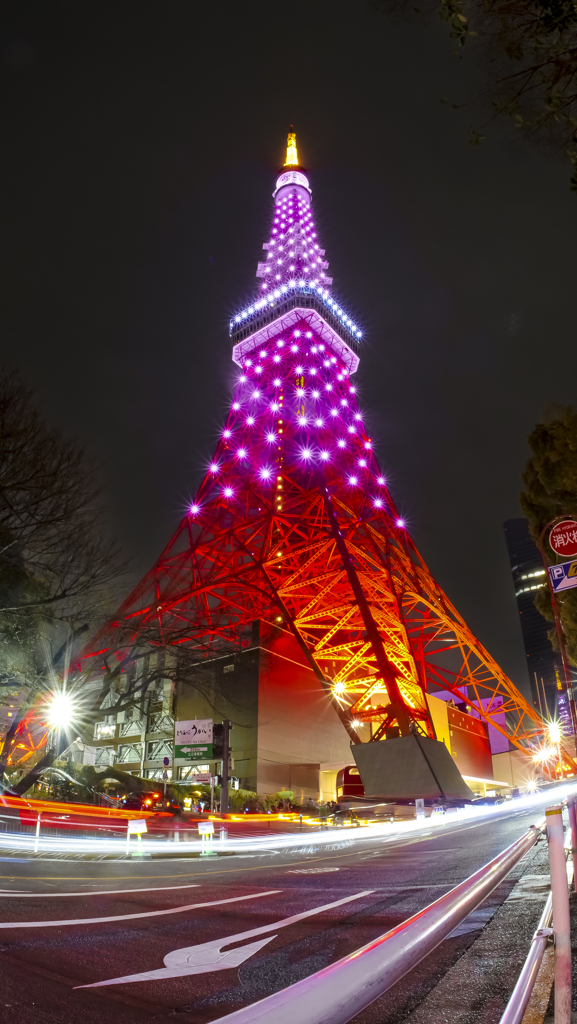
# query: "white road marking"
{"type": "Point", "coordinates": [100, 892]}
{"type": "Point", "coordinates": [311, 871]}
{"type": "Point", "coordinates": [208, 956]}
{"type": "Point", "coordinates": [131, 917]}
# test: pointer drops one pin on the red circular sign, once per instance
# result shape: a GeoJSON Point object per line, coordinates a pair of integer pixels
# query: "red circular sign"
{"type": "Point", "coordinates": [563, 538]}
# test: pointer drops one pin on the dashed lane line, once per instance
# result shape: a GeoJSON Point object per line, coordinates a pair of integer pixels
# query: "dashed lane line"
{"type": "Point", "coordinates": [131, 917]}
{"type": "Point", "coordinates": [100, 892]}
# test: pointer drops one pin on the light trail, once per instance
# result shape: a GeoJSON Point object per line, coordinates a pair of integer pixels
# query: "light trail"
{"type": "Point", "coordinates": [292, 842]}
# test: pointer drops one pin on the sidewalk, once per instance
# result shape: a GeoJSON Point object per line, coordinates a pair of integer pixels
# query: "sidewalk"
{"type": "Point", "coordinates": [476, 989]}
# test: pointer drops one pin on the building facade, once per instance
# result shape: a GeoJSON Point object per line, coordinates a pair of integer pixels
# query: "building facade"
{"type": "Point", "coordinates": [543, 663]}
{"type": "Point", "coordinates": [285, 733]}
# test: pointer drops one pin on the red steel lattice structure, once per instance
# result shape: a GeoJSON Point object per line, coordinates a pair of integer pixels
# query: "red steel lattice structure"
{"type": "Point", "coordinates": [30, 736]}
{"type": "Point", "coordinates": [293, 522]}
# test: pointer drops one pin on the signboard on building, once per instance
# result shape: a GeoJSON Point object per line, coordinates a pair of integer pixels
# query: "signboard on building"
{"type": "Point", "coordinates": [563, 576]}
{"type": "Point", "coordinates": [563, 538]}
{"type": "Point", "coordinates": [193, 741]}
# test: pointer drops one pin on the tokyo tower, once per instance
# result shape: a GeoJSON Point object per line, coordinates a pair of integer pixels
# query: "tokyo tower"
{"type": "Point", "coordinates": [293, 522]}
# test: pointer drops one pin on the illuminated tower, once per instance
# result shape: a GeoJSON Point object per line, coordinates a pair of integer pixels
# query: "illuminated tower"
{"type": "Point", "coordinates": [293, 522]}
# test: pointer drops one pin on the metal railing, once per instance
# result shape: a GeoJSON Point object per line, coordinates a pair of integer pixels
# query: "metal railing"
{"type": "Point", "coordinates": [522, 992]}
{"type": "Point", "coordinates": [337, 993]}
{"type": "Point", "coordinates": [133, 727]}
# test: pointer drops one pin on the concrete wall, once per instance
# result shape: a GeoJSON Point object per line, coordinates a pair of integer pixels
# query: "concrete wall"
{"type": "Point", "coordinates": [227, 687]}
{"type": "Point", "coordinates": [297, 726]}
{"type": "Point", "coordinates": [283, 723]}
{"type": "Point", "coordinates": [514, 768]}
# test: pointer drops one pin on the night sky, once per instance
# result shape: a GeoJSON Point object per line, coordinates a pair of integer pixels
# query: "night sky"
{"type": "Point", "coordinates": [140, 144]}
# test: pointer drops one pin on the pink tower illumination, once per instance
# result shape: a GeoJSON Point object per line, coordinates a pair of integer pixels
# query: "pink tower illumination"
{"type": "Point", "coordinates": [293, 523]}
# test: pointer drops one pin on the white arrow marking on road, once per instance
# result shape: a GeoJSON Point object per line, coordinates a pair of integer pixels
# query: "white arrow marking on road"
{"type": "Point", "coordinates": [100, 892]}
{"type": "Point", "coordinates": [208, 956]}
{"type": "Point", "coordinates": [131, 917]}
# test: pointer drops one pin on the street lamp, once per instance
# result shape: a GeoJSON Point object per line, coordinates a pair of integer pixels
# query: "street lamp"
{"type": "Point", "coordinates": [62, 710]}
{"type": "Point", "coordinates": [554, 730]}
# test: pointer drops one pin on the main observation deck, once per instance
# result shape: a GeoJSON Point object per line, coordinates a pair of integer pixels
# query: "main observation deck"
{"type": "Point", "coordinates": [257, 325]}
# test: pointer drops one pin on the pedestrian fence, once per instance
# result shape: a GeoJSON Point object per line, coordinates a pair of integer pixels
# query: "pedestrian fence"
{"type": "Point", "coordinates": [556, 912]}
{"type": "Point", "coordinates": [521, 994]}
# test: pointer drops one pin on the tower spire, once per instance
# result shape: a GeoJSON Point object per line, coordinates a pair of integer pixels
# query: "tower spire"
{"type": "Point", "coordinates": [292, 159]}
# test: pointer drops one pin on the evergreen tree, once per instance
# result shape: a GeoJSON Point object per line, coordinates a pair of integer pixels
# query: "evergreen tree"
{"type": "Point", "coordinates": [550, 491]}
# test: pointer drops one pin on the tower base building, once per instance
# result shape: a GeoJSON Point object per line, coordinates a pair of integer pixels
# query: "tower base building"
{"type": "Point", "coordinates": [285, 734]}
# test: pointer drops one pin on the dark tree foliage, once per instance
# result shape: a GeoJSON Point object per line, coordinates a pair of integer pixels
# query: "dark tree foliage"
{"type": "Point", "coordinates": [53, 547]}
{"type": "Point", "coordinates": [529, 49]}
{"type": "Point", "coordinates": [550, 491]}
{"type": "Point", "coordinates": [57, 565]}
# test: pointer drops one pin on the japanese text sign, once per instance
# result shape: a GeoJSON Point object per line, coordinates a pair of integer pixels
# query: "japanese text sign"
{"type": "Point", "coordinates": [563, 538]}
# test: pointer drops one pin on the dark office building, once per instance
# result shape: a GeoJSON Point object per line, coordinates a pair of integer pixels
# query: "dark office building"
{"type": "Point", "coordinates": [543, 664]}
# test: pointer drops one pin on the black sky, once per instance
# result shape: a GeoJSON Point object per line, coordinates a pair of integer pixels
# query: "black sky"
{"type": "Point", "coordinates": [140, 145]}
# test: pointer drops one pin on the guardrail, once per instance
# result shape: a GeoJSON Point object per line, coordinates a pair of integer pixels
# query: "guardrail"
{"type": "Point", "coordinates": [557, 910]}
{"type": "Point", "coordinates": [337, 993]}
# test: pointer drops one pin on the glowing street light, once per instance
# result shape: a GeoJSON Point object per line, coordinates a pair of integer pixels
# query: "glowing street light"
{"type": "Point", "coordinates": [62, 710]}
{"type": "Point", "coordinates": [554, 731]}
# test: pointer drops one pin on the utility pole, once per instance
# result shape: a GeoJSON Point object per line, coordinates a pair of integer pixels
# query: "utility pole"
{"type": "Point", "coordinates": [225, 761]}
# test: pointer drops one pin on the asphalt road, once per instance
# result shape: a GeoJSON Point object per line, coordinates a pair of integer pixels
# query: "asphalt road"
{"type": "Point", "coordinates": [70, 929]}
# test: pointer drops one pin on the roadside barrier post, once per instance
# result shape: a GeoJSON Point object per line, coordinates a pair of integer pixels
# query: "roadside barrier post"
{"type": "Point", "coordinates": [561, 923]}
{"type": "Point", "coordinates": [135, 828]}
{"type": "Point", "coordinates": [572, 809]}
{"type": "Point", "coordinates": [206, 830]}
{"type": "Point", "coordinates": [37, 837]}
{"type": "Point", "coordinates": [128, 837]}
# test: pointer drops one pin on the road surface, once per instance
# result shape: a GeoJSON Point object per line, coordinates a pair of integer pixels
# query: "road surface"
{"type": "Point", "coordinates": [99, 941]}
